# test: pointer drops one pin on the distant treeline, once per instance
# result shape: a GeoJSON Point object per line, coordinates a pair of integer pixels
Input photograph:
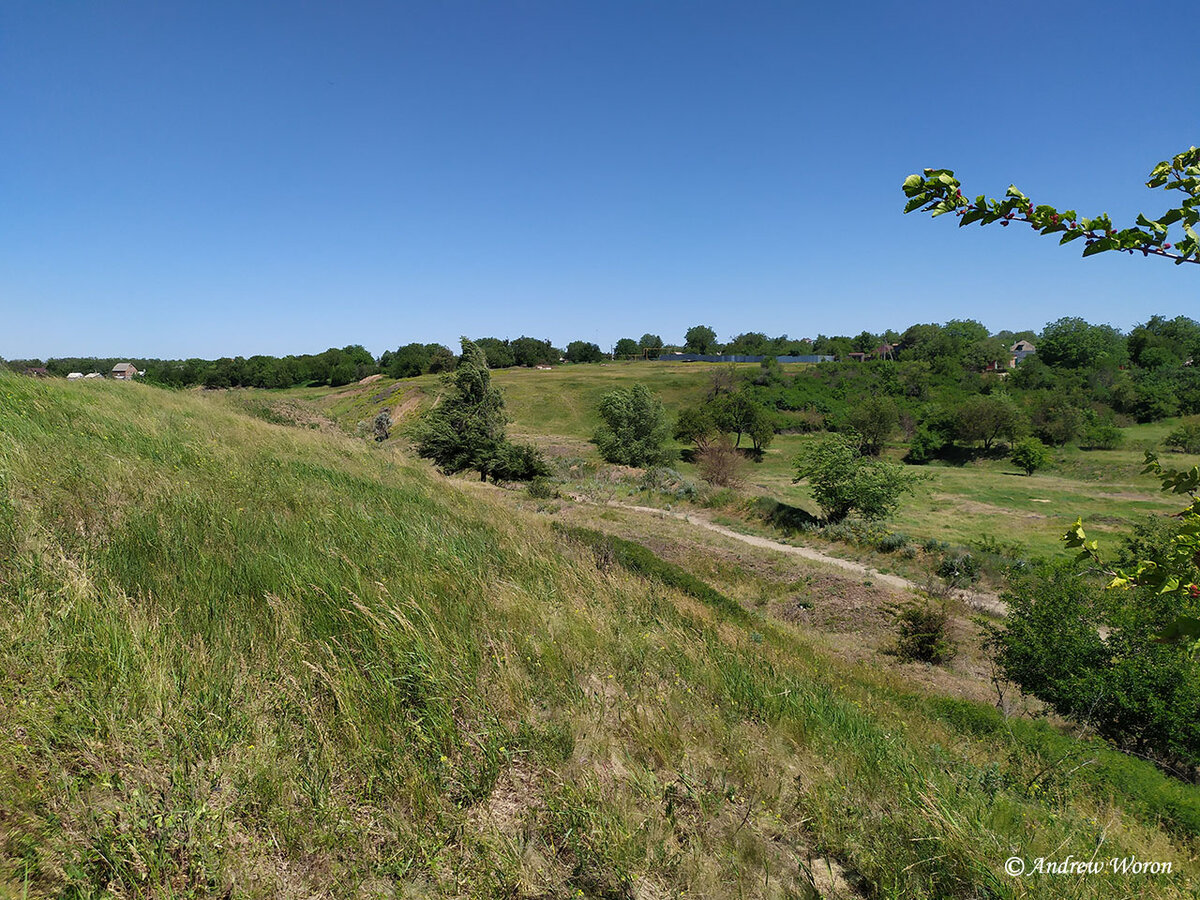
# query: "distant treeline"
{"type": "Point", "coordinates": [1146, 374]}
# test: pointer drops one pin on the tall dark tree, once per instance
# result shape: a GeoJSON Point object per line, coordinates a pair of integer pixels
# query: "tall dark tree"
{"type": "Point", "coordinates": [466, 430]}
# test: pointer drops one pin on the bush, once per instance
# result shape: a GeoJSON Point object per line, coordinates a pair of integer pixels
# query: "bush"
{"type": "Point", "coordinates": [720, 463]}
{"type": "Point", "coordinates": [542, 488]}
{"type": "Point", "coordinates": [959, 568]}
{"type": "Point", "coordinates": [382, 426]}
{"type": "Point", "coordinates": [1030, 455]}
{"type": "Point", "coordinates": [1185, 438]}
{"type": "Point", "coordinates": [922, 635]}
{"type": "Point", "coordinates": [891, 542]}
{"type": "Point", "coordinates": [1102, 436]}
{"type": "Point", "coordinates": [1142, 694]}
{"type": "Point", "coordinates": [518, 462]}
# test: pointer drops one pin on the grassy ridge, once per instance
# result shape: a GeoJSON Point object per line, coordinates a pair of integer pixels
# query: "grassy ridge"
{"type": "Point", "coordinates": [240, 657]}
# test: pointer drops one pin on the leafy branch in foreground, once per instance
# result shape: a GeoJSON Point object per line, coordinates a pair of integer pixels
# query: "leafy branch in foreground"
{"type": "Point", "coordinates": [1176, 570]}
{"type": "Point", "coordinates": [937, 191]}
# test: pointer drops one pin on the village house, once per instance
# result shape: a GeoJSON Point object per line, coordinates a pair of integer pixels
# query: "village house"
{"type": "Point", "coordinates": [124, 371]}
{"type": "Point", "coordinates": [1019, 351]}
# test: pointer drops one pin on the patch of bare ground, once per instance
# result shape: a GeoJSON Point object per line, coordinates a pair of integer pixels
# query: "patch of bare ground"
{"type": "Point", "coordinates": [407, 406]}
{"type": "Point", "coordinates": [976, 507]}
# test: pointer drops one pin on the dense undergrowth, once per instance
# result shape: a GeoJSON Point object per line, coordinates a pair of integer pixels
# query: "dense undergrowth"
{"type": "Point", "coordinates": [247, 659]}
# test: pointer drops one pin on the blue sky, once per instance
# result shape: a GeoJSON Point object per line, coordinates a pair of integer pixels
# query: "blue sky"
{"type": "Point", "coordinates": [228, 178]}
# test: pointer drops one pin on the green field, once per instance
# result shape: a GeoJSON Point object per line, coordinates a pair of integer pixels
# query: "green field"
{"type": "Point", "coordinates": [958, 504]}
{"type": "Point", "coordinates": [252, 659]}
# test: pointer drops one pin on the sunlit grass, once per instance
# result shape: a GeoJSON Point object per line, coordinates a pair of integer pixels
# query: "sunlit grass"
{"type": "Point", "coordinates": [243, 657]}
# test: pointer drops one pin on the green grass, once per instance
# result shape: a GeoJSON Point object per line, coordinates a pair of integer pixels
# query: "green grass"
{"type": "Point", "coordinates": [244, 658]}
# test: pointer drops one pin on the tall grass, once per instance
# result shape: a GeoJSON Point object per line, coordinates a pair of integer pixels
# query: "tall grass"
{"type": "Point", "coordinates": [240, 658]}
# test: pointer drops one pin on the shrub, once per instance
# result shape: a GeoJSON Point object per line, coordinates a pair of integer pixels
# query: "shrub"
{"type": "Point", "coordinates": [1185, 438]}
{"type": "Point", "coordinates": [518, 462]}
{"type": "Point", "coordinates": [541, 488]}
{"type": "Point", "coordinates": [958, 568]}
{"type": "Point", "coordinates": [1102, 436]}
{"type": "Point", "coordinates": [891, 542]}
{"type": "Point", "coordinates": [720, 463]}
{"type": "Point", "coordinates": [1134, 690]}
{"type": "Point", "coordinates": [922, 634]}
{"type": "Point", "coordinates": [382, 426]}
{"type": "Point", "coordinates": [1030, 455]}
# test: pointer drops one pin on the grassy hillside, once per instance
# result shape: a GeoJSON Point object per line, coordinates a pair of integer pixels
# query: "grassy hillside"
{"type": "Point", "coordinates": [557, 410]}
{"type": "Point", "coordinates": [249, 659]}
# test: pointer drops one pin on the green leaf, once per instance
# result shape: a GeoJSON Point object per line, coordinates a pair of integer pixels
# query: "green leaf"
{"type": "Point", "coordinates": [1183, 628]}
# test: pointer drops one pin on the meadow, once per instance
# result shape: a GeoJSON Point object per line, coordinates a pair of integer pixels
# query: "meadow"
{"type": "Point", "coordinates": [959, 504]}
{"type": "Point", "coordinates": [258, 659]}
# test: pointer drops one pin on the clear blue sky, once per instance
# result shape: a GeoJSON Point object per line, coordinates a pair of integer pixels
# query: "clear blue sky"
{"type": "Point", "coordinates": [221, 178]}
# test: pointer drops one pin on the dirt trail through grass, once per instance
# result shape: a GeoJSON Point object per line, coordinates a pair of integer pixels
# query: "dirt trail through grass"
{"type": "Point", "coordinates": [988, 603]}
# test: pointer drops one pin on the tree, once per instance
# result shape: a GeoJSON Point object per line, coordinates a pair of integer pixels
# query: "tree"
{"type": "Point", "coordinates": [465, 431]}
{"type": "Point", "coordinates": [634, 427]}
{"type": "Point", "coordinates": [626, 348]}
{"type": "Point", "coordinates": [700, 339]}
{"type": "Point", "coordinates": [874, 420]}
{"type": "Point", "coordinates": [844, 481]}
{"type": "Point", "coordinates": [1030, 455]}
{"type": "Point", "coordinates": [1073, 343]}
{"type": "Point", "coordinates": [987, 417]}
{"type": "Point", "coordinates": [939, 192]}
{"type": "Point", "coordinates": [695, 425]}
{"type": "Point", "coordinates": [652, 344]}
{"type": "Point", "coordinates": [583, 352]}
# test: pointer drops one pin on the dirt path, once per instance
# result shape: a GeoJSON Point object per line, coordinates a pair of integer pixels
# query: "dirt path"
{"type": "Point", "coordinates": [988, 603]}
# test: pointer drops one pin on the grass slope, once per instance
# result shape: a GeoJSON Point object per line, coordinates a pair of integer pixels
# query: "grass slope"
{"type": "Point", "coordinates": [253, 660]}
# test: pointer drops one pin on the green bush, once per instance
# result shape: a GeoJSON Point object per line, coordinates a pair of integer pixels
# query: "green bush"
{"type": "Point", "coordinates": [1185, 438]}
{"type": "Point", "coordinates": [959, 568]}
{"type": "Point", "coordinates": [541, 488]}
{"type": "Point", "coordinates": [922, 635]}
{"type": "Point", "coordinates": [892, 542]}
{"type": "Point", "coordinates": [1030, 455]}
{"type": "Point", "coordinates": [844, 481]}
{"type": "Point", "coordinates": [1093, 657]}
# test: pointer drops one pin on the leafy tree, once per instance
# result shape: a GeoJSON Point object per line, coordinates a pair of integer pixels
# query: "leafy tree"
{"type": "Point", "coordinates": [626, 348]}
{"type": "Point", "coordinates": [700, 339]}
{"type": "Point", "coordinates": [695, 425]}
{"type": "Point", "coordinates": [634, 427]}
{"type": "Point", "coordinates": [1073, 343]}
{"type": "Point", "coordinates": [530, 352]}
{"type": "Point", "coordinates": [985, 418]}
{"type": "Point", "coordinates": [408, 361]}
{"type": "Point", "coordinates": [939, 192]}
{"type": "Point", "coordinates": [1030, 455]}
{"type": "Point", "coordinates": [499, 353]}
{"type": "Point", "coordinates": [465, 431]}
{"type": "Point", "coordinates": [583, 352]}
{"type": "Point", "coordinates": [873, 419]}
{"type": "Point", "coordinates": [739, 414]}
{"type": "Point", "coordinates": [651, 343]}
{"type": "Point", "coordinates": [844, 481]}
